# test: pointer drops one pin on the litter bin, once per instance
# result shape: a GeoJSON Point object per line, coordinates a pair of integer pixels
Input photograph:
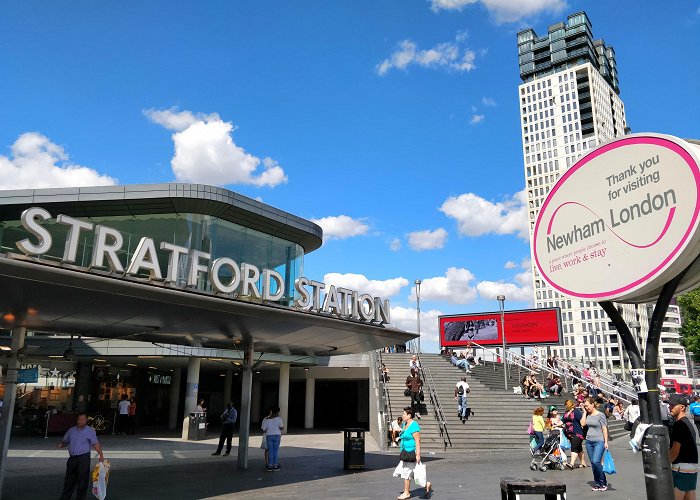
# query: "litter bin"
{"type": "Point", "coordinates": [198, 426]}
{"type": "Point", "coordinates": [354, 449]}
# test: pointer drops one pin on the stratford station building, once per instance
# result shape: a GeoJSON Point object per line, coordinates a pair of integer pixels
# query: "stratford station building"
{"type": "Point", "coordinates": [172, 294]}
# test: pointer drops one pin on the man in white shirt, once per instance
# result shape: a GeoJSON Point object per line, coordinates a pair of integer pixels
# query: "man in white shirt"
{"type": "Point", "coordinates": [123, 414]}
{"type": "Point", "coordinates": [461, 391]}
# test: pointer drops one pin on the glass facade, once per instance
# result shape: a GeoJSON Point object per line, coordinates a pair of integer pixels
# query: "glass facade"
{"type": "Point", "coordinates": [218, 237]}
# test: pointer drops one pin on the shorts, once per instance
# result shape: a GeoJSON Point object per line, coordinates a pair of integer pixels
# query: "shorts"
{"type": "Point", "coordinates": [263, 445]}
{"type": "Point", "coordinates": [576, 444]}
{"type": "Point", "coordinates": [685, 481]}
{"type": "Point", "coordinates": [407, 469]}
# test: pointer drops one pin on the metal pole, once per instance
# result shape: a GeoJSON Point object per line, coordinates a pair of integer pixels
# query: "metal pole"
{"type": "Point", "coordinates": [418, 282]}
{"type": "Point", "coordinates": [501, 300]}
{"type": "Point", "coordinates": [692, 369]}
{"type": "Point", "coordinates": [622, 359]}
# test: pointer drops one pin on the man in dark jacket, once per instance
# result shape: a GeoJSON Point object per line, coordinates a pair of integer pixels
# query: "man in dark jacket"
{"type": "Point", "coordinates": [414, 384]}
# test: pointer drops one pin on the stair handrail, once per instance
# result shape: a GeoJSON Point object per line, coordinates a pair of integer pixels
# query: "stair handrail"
{"type": "Point", "coordinates": [607, 376]}
{"type": "Point", "coordinates": [520, 361]}
{"type": "Point", "coordinates": [385, 415]}
{"type": "Point", "coordinates": [427, 376]}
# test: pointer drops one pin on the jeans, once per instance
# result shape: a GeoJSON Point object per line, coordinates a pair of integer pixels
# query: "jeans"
{"type": "Point", "coordinates": [539, 438]}
{"type": "Point", "coordinates": [462, 406]}
{"type": "Point", "coordinates": [595, 450]}
{"type": "Point", "coordinates": [273, 448]}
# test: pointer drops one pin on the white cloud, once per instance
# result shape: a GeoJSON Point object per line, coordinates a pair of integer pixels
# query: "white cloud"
{"type": "Point", "coordinates": [488, 101]}
{"type": "Point", "coordinates": [341, 227]}
{"type": "Point", "coordinates": [36, 162]}
{"type": "Point", "coordinates": [427, 240]}
{"type": "Point", "coordinates": [504, 11]}
{"type": "Point", "coordinates": [362, 284]}
{"type": "Point", "coordinates": [476, 216]}
{"type": "Point", "coordinates": [455, 287]}
{"type": "Point", "coordinates": [520, 291]}
{"type": "Point", "coordinates": [476, 118]}
{"type": "Point", "coordinates": [395, 245]}
{"type": "Point", "coordinates": [448, 55]}
{"type": "Point", "coordinates": [510, 265]}
{"type": "Point", "coordinates": [206, 152]}
{"type": "Point", "coordinates": [405, 318]}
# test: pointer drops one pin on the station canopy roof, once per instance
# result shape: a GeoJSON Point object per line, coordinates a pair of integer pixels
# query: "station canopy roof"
{"type": "Point", "coordinates": [51, 297]}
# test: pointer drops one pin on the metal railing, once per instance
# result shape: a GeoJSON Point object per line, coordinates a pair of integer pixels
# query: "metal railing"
{"type": "Point", "coordinates": [512, 358]}
{"type": "Point", "coordinates": [439, 415]}
{"type": "Point", "coordinates": [384, 409]}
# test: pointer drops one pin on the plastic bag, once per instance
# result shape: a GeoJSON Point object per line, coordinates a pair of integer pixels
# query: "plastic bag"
{"type": "Point", "coordinates": [608, 463]}
{"type": "Point", "coordinates": [530, 429]}
{"type": "Point", "coordinates": [564, 442]}
{"type": "Point", "coordinates": [100, 478]}
{"type": "Point", "coordinates": [420, 474]}
{"type": "Point", "coordinates": [398, 470]}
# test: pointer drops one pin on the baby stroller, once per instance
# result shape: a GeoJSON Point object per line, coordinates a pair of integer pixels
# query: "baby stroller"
{"type": "Point", "coordinates": [550, 456]}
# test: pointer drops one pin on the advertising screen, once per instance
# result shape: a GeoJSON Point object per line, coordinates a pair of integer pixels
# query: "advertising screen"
{"type": "Point", "coordinates": [526, 327]}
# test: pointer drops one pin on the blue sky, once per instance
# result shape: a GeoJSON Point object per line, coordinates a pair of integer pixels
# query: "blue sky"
{"type": "Point", "coordinates": [393, 124]}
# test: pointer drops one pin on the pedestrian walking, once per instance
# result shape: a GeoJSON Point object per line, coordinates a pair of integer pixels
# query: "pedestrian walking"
{"type": "Point", "coordinates": [132, 416]}
{"type": "Point", "coordinates": [414, 384]}
{"type": "Point", "coordinates": [79, 439]}
{"type": "Point", "coordinates": [228, 418]}
{"type": "Point", "coordinates": [461, 391]}
{"type": "Point", "coordinates": [596, 441]}
{"type": "Point", "coordinates": [123, 415]}
{"type": "Point", "coordinates": [573, 430]}
{"type": "Point", "coordinates": [410, 454]}
{"type": "Point", "coordinates": [538, 428]}
{"type": "Point", "coordinates": [684, 452]}
{"type": "Point", "coordinates": [273, 427]}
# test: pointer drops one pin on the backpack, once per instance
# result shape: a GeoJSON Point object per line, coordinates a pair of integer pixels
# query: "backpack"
{"type": "Point", "coordinates": [460, 390]}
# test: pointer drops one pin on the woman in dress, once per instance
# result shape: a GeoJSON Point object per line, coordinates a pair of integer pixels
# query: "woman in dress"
{"type": "Point", "coordinates": [574, 431]}
{"type": "Point", "coordinates": [596, 442]}
{"type": "Point", "coordinates": [410, 443]}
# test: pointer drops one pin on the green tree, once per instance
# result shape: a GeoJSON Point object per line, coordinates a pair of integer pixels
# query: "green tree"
{"type": "Point", "coordinates": [689, 304]}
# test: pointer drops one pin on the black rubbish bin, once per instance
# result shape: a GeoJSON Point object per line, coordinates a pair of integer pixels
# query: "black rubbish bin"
{"type": "Point", "coordinates": [354, 449]}
{"type": "Point", "coordinates": [198, 426]}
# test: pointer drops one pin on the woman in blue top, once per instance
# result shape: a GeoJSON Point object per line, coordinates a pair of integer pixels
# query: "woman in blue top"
{"type": "Point", "coordinates": [410, 442]}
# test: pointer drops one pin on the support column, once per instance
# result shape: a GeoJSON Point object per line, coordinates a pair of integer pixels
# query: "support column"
{"type": "Point", "coordinates": [284, 395]}
{"type": "Point", "coordinates": [191, 392]}
{"type": "Point", "coordinates": [174, 398]}
{"type": "Point", "coordinates": [228, 385]}
{"type": "Point", "coordinates": [9, 399]}
{"type": "Point", "coordinates": [244, 414]}
{"type": "Point", "coordinates": [82, 386]}
{"type": "Point", "coordinates": [309, 402]}
{"type": "Point", "coordinates": [256, 401]}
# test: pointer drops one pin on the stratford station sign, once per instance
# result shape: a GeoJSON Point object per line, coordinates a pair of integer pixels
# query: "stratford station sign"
{"type": "Point", "coordinates": [227, 278]}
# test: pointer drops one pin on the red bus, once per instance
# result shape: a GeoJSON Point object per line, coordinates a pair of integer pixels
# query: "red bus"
{"type": "Point", "coordinates": [672, 386]}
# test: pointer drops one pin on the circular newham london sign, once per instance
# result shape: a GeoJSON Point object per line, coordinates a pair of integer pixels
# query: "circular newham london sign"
{"type": "Point", "coordinates": [623, 221]}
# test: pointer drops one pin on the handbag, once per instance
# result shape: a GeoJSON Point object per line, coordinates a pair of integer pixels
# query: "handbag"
{"type": "Point", "coordinates": [628, 426]}
{"type": "Point", "coordinates": [421, 396]}
{"type": "Point", "coordinates": [407, 456]}
{"type": "Point", "coordinates": [530, 430]}
{"type": "Point", "coordinates": [608, 463]}
{"type": "Point", "coordinates": [407, 393]}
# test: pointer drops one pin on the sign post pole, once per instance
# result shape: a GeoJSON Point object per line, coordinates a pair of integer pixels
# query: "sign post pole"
{"type": "Point", "coordinates": [501, 300]}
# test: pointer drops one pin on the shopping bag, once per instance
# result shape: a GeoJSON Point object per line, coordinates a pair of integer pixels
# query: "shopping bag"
{"type": "Point", "coordinates": [398, 470]}
{"type": "Point", "coordinates": [100, 478]}
{"type": "Point", "coordinates": [608, 463]}
{"type": "Point", "coordinates": [530, 429]}
{"type": "Point", "coordinates": [564, 442]}
{"type": "Point", "coordinates": [419, 474]}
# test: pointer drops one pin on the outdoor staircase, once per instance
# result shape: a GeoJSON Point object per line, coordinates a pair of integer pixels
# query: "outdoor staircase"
{"type": "Point", "coordinates": [500, 418]}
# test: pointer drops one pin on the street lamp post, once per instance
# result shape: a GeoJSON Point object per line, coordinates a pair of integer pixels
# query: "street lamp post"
{"type": "Point", "coordinates": [501, 302]}
{"type": "Point", "coordinates": [692, 368]}
{"type": "Point", "coordinates": [418, 282]}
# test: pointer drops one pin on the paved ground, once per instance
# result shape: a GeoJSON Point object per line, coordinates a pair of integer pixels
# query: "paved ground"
{"type": "Point", "coordinates": [163, 466]}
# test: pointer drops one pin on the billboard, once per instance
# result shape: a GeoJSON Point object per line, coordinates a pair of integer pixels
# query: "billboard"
{"type": "Point", "coordinates": [526, 327]}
